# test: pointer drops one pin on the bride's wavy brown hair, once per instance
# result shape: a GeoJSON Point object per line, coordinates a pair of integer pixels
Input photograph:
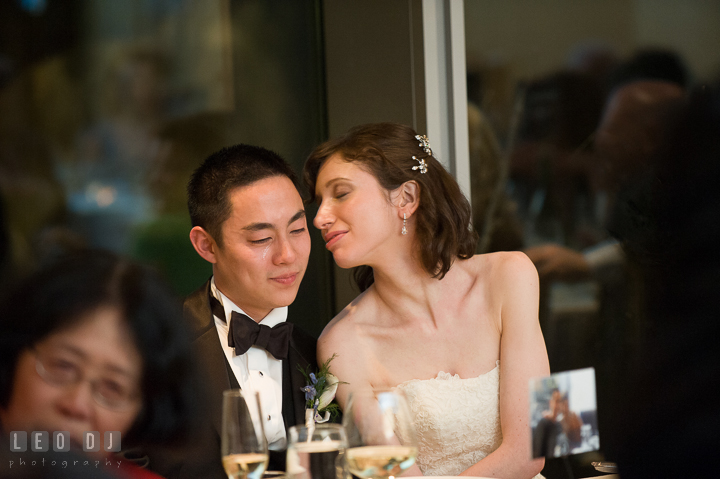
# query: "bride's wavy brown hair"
{"type": "Point", "coordinates": [443, 216]}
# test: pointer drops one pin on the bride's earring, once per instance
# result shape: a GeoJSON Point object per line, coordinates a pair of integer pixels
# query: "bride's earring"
{"type": "Point", "coordinates": [404, 228]}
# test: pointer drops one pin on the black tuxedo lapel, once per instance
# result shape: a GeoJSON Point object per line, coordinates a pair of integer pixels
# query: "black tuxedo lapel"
{"type": "Point", "coordinates": [288, 411]}
{"type": "Point", "coordinates": [302, 354]}
{"type": "Point", "coordinates": [293, 407]}
{"type": "Point", "coordinates": [208, 350]}
{"type": "Point", "coordinates": [234, 384]}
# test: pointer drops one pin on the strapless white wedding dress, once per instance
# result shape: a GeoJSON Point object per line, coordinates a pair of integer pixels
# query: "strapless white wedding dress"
{"type": "Point", "coordinates": [457, 420]}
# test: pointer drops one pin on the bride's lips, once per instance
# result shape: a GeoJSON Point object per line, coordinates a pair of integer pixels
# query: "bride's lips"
{"type": "Point", "coordinates": [333, 237]}
{"type": "Point", "coordinates": [285, 279]}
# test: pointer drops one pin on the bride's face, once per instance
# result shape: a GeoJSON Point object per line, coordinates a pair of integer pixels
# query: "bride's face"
{"type": "Point", "coordinates": [355, 215]}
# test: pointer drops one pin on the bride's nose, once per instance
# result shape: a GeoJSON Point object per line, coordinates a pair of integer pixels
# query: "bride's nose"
{"type": "Point", "coordinates": [324, 218]}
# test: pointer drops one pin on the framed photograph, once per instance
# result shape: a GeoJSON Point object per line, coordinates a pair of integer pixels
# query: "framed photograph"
{"type": "Point", "coordinates": [563, 414]}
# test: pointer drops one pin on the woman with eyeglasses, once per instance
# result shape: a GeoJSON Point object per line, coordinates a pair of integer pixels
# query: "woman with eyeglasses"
{"type": "Point", "coordinates": [94, 343]}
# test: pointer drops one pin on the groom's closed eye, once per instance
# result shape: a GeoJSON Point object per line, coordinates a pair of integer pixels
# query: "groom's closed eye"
{"type": "Point", "coordinates": [260, 241]}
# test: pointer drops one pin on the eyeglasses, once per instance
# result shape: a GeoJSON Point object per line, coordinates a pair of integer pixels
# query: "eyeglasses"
{"type": "Point", "coordinates": [58, 369]}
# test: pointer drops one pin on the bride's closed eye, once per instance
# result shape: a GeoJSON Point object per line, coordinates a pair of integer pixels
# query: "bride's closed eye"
{"type": "Point", "coordinates": [341, 192]}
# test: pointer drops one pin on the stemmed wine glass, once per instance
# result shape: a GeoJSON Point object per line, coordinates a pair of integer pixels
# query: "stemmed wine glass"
{"type": "Point", "coordinates": [243, 445]}
{"type": "Point", "coordinates": [315, 451]}
{"type": "Point", "coordinates": [381, 433]}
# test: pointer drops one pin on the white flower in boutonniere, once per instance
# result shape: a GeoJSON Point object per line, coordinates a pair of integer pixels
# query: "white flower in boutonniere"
{"type": "Point", "coordinates": [320, 393]}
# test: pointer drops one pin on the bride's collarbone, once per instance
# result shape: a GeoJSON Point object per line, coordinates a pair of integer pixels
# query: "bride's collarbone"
{"type": "Point", "coordinates": [448, 338]}
{"type": "Point", "coordinates": [445, 313]}
{"type": "Point", "coordinates": [456, 291]}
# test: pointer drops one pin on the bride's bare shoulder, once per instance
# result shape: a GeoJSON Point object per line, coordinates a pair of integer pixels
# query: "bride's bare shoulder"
{"type": "Point", "coordinates": [346, 325]}
{"type": "Point", "coordinates": [501, 267]}
{"type": "Point", "coordinates": [506, 279]}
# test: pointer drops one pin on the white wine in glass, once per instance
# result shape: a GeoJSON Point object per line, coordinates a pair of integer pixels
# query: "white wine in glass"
{"type": "Point", "coordinates": [381, 434]}
{"type": "Point", "coordinates": [250, 465]}
{"type": "Point", "coordinates": [380, 461]}
{"type": "Point", "coordinates": [243, 444]}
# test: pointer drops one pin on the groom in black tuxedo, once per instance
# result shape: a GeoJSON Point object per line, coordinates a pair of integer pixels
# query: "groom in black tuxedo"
{"type": "Point", "coordinates": [249, 222]}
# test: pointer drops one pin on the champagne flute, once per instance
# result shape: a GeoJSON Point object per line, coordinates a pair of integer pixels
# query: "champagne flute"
{"type": "Point", "coordinates": [243, 444]}
{"type": "Point", "coordinates": [381, 433]}
{"type": "Point", "coordinates": [315, 452]}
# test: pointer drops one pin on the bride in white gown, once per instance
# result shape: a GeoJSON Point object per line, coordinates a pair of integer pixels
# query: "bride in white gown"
{"type": "Point", "coordinates": [458, 332]}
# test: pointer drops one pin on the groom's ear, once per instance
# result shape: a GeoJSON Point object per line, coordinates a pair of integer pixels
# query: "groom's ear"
{"type": "Point", "coordinates": [204, 244]}
{"type": "Point", "coordinates": [407, 197]}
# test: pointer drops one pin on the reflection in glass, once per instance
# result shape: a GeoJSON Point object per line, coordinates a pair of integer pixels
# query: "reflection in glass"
{"type": "Point", "coordinates": [109, 106]}
{"type": "Point", "coordinates": [557, 85]}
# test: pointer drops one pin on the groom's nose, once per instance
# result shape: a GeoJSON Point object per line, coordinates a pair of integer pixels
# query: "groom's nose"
{"type": "Point", "coordinates": [285, 252]}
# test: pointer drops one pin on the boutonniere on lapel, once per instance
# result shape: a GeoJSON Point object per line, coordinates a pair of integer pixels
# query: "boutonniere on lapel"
{"type": "Point", "coordinates": [320, 393]}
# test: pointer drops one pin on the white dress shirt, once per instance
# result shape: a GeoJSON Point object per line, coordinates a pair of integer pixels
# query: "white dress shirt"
{"type": "Point", "coordinates": [257, 370]}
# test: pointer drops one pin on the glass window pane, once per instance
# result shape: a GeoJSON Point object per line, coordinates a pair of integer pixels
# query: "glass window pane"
{"type": "Point", "coordinates": [108, 107]}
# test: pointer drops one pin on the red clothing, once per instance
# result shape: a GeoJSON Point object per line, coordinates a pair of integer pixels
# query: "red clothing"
{"type": "Point", "coordinates": [129, 470]}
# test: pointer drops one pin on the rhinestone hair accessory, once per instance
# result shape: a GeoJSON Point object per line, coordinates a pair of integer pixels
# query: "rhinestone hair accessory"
{"type": "Point", "coordinates": [425, 143]}
{"type": "Point", "coordinates": [422, 166]}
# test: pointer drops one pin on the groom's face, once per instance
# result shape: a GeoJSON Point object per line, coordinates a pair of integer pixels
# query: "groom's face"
{"type": "Point", "coordinates": [265, 248]}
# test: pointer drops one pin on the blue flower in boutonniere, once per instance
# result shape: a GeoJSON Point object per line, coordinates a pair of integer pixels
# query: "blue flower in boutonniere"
{"type": "Point", "coordinates": [320, 393]}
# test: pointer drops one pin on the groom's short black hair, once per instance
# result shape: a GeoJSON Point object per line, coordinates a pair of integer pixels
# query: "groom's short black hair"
{"type": "Point", "coordinates": [222, 172]}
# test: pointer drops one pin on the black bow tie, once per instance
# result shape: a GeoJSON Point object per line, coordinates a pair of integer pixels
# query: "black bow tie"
{"type": "Point", "coordinates": [243, 333]}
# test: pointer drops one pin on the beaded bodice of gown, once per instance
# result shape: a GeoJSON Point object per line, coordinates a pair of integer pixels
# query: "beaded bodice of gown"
{"type": "Point", "coordinates": [457, 420]}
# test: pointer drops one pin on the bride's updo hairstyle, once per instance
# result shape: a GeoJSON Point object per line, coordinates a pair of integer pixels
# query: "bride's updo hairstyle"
{"type": "Point", "coordinates": [386, 151]}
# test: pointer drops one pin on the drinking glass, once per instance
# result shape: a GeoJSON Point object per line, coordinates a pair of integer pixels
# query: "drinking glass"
{"type": "Point", "coordinates": [381, 433]}
{"type": "Point", "coordinates": [243, 444]}
{"type": "Point", "coordinates": [316, 452]}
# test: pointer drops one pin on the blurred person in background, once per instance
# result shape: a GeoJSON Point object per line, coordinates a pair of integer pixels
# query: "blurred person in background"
{"type": "Point", "coordinates": [636, 118]}
{"type": "Point", "coordinates": [561, 111]}
{"type": "Point", "coordinates": [664, 397]}
{"type": "Point", "coordinates": [652, 63]}
{"type": "Point", "coordinates": [635, 123]}
{"type": "Point", "coordinates": [94, 342]}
